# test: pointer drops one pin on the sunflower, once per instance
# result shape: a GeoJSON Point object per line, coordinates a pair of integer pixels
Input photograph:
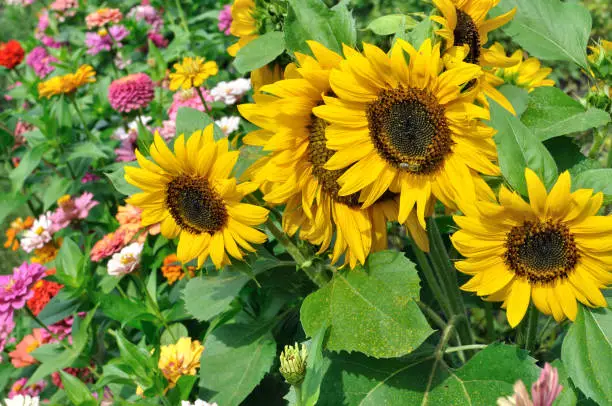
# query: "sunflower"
{"type": "Point", "coordinates": [192, 72]}
{"type": "Point", "coordinates": [553, 250]}
{"type": "Point", "coordinates": [68, 83]}
{"type": "Point", "coordinates": [527, 73]}
{"type": "Point", "coordinates": [465, 24]}
{"type": "Point", "coordinates": [406, 128]}
{"type": "Point", "coordinates": [193, 195]}
{"type": "Point", "coordinates": [243, 25]}
{"type": "Point", "coordinates": [294, 173]}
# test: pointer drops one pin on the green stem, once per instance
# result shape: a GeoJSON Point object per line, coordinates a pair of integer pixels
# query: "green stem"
{"type": "Point", "coordinates": [298, 394]}
{"type": "Point", "coordinates": [78, 110]}
{"type": "Point", "coordinates": [432, 281]}
{"type": "Point", "coordinates": [316, 275]}
{"type": "Point", "coordinates": [153, 304]}
{"type": "Point", "coordinates": [489, 316]}
{"type": "Point", "coordinates": [182, 15]}
{"type": "Point", "coordinates": [44, 326]}
{"type": "Point", "coordinates": [598, 139]}
{"type": "Point", "coordinates": [465, 347]}
{"type": "Point", "coordinates": [199, 91]}
{"type": "Point", "coordinates": [532, 328]}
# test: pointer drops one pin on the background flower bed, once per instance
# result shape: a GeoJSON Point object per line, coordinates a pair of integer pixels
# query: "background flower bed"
{"type": "Point", "coordinates": [159, 307]}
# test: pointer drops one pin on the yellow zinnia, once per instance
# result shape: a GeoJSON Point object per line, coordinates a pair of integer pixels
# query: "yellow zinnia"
{"type": "Point", "coordinates": [553, 250]}
{"type": "Point", "coordinates": [192, 72]}
{"type": "Point", "coordinates": [294, 173]}
{"type": "Point", "coordinates": [465, 24]}
{"type": "Point", "coordinates": [525, 73]}
{"type": "Point", "coordinates": [243, 25]}
{"type": "Point", "coordinates": [406, 128]}
{"type": "Point", "coordinates": [194, 197]}
{"type": "Point", "coordinates": [68, 83]}
{"type": "Point", "coordinates": [182, 358]}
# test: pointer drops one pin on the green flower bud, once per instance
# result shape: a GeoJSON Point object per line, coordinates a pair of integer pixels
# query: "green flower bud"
{"type": "Point", "coordinates": [293, 364]}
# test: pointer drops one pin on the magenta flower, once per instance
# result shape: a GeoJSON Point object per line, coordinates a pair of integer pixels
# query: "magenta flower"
{"type": "Point", "coordinates": [89, 177]}
{"type": "Point", "coordinates": [102, 40]}
{"type": "Point", "coordinates": [70, 210]}
{"type": "Point", "coordinates": [50, 42]}
{"type": "Point", "coordinates": [544, 391]}
{"type": "Point", "coordinates": [147, 14]}
{"type": "Point", "coordinates": [168, 130]}
{"type": "Point", "coordinates": [40, 60]}
{"type": "Point", "coordinates": [225, 20]}
{"type": "Point", "coordinates": [131, 92]}
{"type": "Point", "coordinates": [157, 39]}
{"type": "Point", "coordinates": [188, 98]}
{"type": "Point", "coordinates": [6, 328]}
{"type": "Point", "coordinates": [20, 388]}
{"type": "Point", "coordinates": [15, 289]}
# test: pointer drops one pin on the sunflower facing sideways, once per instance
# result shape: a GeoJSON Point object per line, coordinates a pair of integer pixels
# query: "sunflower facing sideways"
{"type": "Point", "coordinates": [405, 127]}
{"type": "Point", "coordinates": [294, 174]}
{"type": "Point", "coordinates": [243, 25]}
{"type": "Point", "coordinates": [554, 250]}
{"type": "Point", "coordinates": [465, 24]}
{"type": "Point", "coordinates": [191, 193]}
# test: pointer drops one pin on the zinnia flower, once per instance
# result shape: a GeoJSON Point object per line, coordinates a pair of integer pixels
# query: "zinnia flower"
{"type": "Point", "coordinates": [128, 138]}
{"type": "Point", "coordinates": [103, 17]}
{"type": "Point", "coordinates": [21, 400]}
{"type": "Point", "coordinates": [173, 270]}
{"type": "Point", "coordinates": [554, 250]}
{"type": "Point", "coordinates": [147, 14]}
{"type": "Point", "coordinates": [190, 192]}
{"type": "Point", "coordinates": [188, 98]}
{"type": "Point", "coordinates": [158, 39]}
{"type": "Point", "coordinates": [132, 92]}
{"type": "Point", "coordinates": [243, 24]}
{"type": "Point", "coordinates": [89, 177]}
{"type": "Point", "coordinates": [168, 129]}
{"type": "Point", "coordinates": [405, 127]}
{"type": "Point", "coordinates": [67, 84]}
{"type": "Point", "coordinates": [20, 388]}
{"type": "Point", "coordinates": [84, 374]}
{"type": "Point", "coordinates": [17, 226]}
{"type": "Point", "coordinates": [72, 209]}
{"type": "Point", "coordinates": [228, 124]}
{"type": "Point", "coordinates": [6, 328]}
{"type": "Point", "coordinates": [103, 40]}
{"type": "Point", "coordinates": [47, 253]}
{"type": "Point", "coordinates": [527, 73]}
{"type": "Point", "coordinates": [43, 292]}
{"type": "Point", "coordinates": [39, 234]}
{"type": "Point", "coordinates": [107, 246]}
{"type": "Point", "coordinates": [544, 391]}
{"type": "Point", "coordinates": [126, 260]}
{"type": "Point", "coordinates": [15, 289]}
{"type": "Point", "coordinates": [192, 72]}
{"type": "Point", "coordinates": [21, 357]}
{"type": "Point", "coordinates": [11, 54]}
{"type": "Point", "coordinates": [230, 92]}
{"type": "Point", "coordinates": [225, 19]}
{"type": "Point", "coordinates": [40, 60]}
{"type": "Point", "coordinates": [182, 358]}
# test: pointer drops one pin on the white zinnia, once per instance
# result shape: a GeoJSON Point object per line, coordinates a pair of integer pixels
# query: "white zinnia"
{"type": "Point", "coordinates": [132, 128]}
{"type": "Point", "coordinates": [37, 235]}
{"type": "Point", "coordinates": [21, 400]}
{"type": "Point", "coordinates": [228, 124]}
{"type": "Point", "coordinates": [230, 92]}
{"type": "Point", "coordinates": [126, 260]}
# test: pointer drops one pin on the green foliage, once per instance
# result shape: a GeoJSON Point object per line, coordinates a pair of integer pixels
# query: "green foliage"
{"type": "Point", "coordinates": [551, 113]}
{"type": "Point", "coordinates": [117, 178]}
{"type": "Point", "coordinates": [518, 148]}
{"type": "Point", "coordinates": [56, 189]}
{"type": "Point", "coordinates": [260, 52]}
{"type": "Point", "coordinates": [550, 29]}
{"type": "Point", "coordinates": [586, 353]}
{"type": "Point", "coordinates": [600, 180]}
{"type": "Point", "coordinates": [390, 24]}
{"type": "Point", "coordinates": [371, 309]}
{"type": "Point", "coordinates": [77, 391]}
{"type": "Point", "coordinates": [189, 120]}
{"type": "Point", "coordinates": [29, 162]}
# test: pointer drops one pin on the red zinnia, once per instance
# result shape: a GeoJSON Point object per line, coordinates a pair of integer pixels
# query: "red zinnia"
{"type": "Point", "coordinates": [43, 293]}
{"type": "Point", "coordinates": [11, 54]}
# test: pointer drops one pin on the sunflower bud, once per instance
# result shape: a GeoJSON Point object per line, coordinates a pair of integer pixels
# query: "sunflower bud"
{"type": "Point", "coordinates": [293, 363]}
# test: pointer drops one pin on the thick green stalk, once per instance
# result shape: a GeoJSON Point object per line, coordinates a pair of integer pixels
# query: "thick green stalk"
{"type": "Point", "coordinates": [78, 110]}
{"type": "Point", "coordinates": [436, 288]}
{"type": "Point", "coordinates": [528, 329]}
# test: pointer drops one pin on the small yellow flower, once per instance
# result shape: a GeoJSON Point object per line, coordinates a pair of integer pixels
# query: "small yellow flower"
{"type": "Point", "coordinates": [68, 83]}
{"type": "Point", "coordinates": [192, 72]}
{"type": "Point", "coordinates": [47, 253]}
{"type": "Point", "coordinates": [604, 45]}
{"type": "Point", "coordinates": [527, 73]}
{"type": "Point", "coordinates": [182, 358]}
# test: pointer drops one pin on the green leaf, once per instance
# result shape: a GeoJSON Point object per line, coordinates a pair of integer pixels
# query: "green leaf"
{"type": "Point", "coordinates": [550, 29]}
{"type": "Point", "coordinates": [565, 151]}
{"type": "Point", "coordinates": [207, 296]}
{"type": "Point", "coordinates": [28, 163]}
{"type": "Point", "coordinates": [77, 391]}
{"type": "Point", "coordinates": [122, 309]}
{"type": "Point", "coordinates": [418, 34]}
{"type": "Point", "coordinates": [358, 380]}
{"type": "Point", "coordinates": [313, 20]}
{"type": "Point", "coordinates": [587, 351]}
{"type": "Point", "coordinates": [117, 178]}
{"type": "Point", "coordinates": [551, 113]}
{"type": "Point", "coordinates": [56, 189]}
{"type": "Point", "coordinates": [241, 355]}
{"type": "Point", "coordinates": [518, 148]}
{"type": "Point", "coordinates": [86, 150]}
{"type": "Point", "coordinates": [189, 120]}
{"type": "Point", "coordinates": [516, 96]}
{"type": "Point", "coordinates": [69, 263]}
{"type": "Point", "coordinates": [173, 333]}
{"type": "Point", "coordinates": [316, 367]}
{"type": "Point", "coordinates": [9, 203]}
{"type": "Point", "coordinates": [600, 180]}
{"type": "Point", "coordinates": [137, 358]}
{"type": "Point", "coordinates": [370, 310]}
{"type": "Point", "coordinates": [248, 155]}
{"type": "Point", "coordinates": [260, 52]}
{"type": "Point", "coordinates": [58, 308]}
{"type": "Point", "coordinates": [390, 24]}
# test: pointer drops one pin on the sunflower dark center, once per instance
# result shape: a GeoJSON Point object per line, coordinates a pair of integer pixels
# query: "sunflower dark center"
{"type": "Point", "coordinates": [318, 155]}
{"type": "Point", "coordinates": [409, 129]}
{"type": "Point", "coordinates": [195, 206]}
{"type": "Point", "coordinates": [542, 252]}
{"type": "Point", "coordinates": [466, 32]}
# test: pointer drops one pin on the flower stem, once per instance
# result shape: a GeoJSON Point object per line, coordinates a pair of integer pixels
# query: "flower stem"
{"type": "Point", "coordinates": [182, 16]}
{"type": "Point", "coordinates": [153, 304]}
{"type": "Point", "coordinates": [78, 110]}
{"type": "Point", "coordinates": [199, 91]}
{"type": "Point", "coordinates": [465, 347]}
{"type": "Point", "coordinates": [489, 317]}
{"type": "Point", "coordinates": [528, 329]}
{"type": "Point", "coordinates": [432, 281]}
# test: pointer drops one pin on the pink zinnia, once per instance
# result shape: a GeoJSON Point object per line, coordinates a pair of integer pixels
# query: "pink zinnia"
{"type": "Point", "coordinates": [148, 14]}
{"type": "Point", "coordinates": [158, 40]}
{"type": "Point", "coordinates": [40, 60]}
{"type": "Point", "coordinates": [43, 24]}
{"type": "Point", "coordinates": [225, 20]}
{"type": "Point", "coordinates": [188, 98]}
{"type": "Point", "coordinates": [102, 17]}
{"type": "Point", "coordinates": [69, 210]}
{"type": "Point", "coordinates": [107, 246]}
{"type": "Point", "coordinates": [20, 388]}
{"type": "Point", "coordinates": [168, 130]}
{"type": "Point", "coordinates": [63, 5]}
{"type": "Point", "coordinates": [544, 391]}
{"type": "Point", "coordinates": [89, 177]}
{"type": "Point", "coordinates": [6, 328]}
{"type": "Point", "coordinates": [84, 374]}
{"type": "Point", "coordinates": [131, 92]}
{"type": "Point", "coordinates": [15, 289]}
{"type": "Point", "coordinates": [97, 42]}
